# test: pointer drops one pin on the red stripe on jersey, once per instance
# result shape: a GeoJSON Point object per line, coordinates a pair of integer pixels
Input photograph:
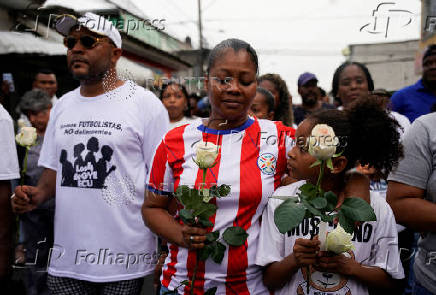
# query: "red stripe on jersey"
{"type": "Point", "coordinates": [176, 150]}
{"type": "Point", "coordinates": [284, 134]}
{"type": "Point", "coordinates": [249, 198]}
{"type": "Point", "coordinates": [211, 179]}
{"type": "Point", "coordinates": [171, 269]}
{"type": "Point", "coordinates": [158, 167]}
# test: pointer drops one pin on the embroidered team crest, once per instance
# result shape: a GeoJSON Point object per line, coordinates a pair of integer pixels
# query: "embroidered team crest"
{"type": "Point", "coordinates": [267, 163]}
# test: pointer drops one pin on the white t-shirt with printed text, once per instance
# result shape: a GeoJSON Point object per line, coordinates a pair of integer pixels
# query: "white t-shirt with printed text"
{"type": "Point", "coordinates": [376, 244]}
{"type": "Point", "coordinates": [100, 148]}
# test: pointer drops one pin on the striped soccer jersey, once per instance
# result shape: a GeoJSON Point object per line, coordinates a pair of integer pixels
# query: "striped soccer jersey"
{"type": "Point", "coordinates": [252, 160]}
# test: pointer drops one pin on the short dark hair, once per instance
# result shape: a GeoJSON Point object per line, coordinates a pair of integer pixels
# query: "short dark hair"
{"type": "Point", "coordinates": [43, 71]}
{"type": "Point", "coordinates": [269, 98]}
{"type": "Point", "coordinates": [236, 45]}
{"type": "Point", "coordinates": [340, 69]}
{"type": "Point", "coordinates": [430, 50]}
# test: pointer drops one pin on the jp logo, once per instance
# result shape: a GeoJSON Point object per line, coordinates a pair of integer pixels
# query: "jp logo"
{"type": "Point", "coordinates": [267, 163]}
{"type": "Point", "coordinates": [382, 17]}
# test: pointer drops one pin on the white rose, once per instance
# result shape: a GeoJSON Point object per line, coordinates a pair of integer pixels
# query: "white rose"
{"type": "Point", "coordinates": [206, 154]}
{"type": "Point", "coordinates": [322, 142]}
{"type": "Point", "coordinates": [21, 123]}
{"type": "Point", "coordinates": [339, 241]}
{"type": "Point", "coordinates": [26, 137]}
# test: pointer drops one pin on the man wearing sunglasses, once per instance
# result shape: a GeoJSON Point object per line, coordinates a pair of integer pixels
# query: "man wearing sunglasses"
{"type": "Point", "coordinates": [97, 149]}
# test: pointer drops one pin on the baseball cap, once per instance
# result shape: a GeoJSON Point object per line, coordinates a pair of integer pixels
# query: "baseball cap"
{"type": "Point", "coordinates": [306, 77]}
{"type": "Point", "coordinates": [34, 100]}
{"type": "Point", "coordinates": [93, 22]}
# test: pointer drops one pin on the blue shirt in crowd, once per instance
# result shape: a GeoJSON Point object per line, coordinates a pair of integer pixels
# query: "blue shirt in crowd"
{"type": "Point", "coordinates": [413, 101]}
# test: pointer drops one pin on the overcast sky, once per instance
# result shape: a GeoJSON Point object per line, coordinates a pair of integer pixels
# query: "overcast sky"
{"type": "Point", "coordinates": [291, 37]}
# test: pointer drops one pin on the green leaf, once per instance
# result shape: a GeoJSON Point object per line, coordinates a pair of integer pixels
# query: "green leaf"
{"type": "Point", "coordinates": [312, 209]}
{"type": "Point", "coordinates": [186, 216]}
{"type": "Point", "coordinates": [224, 190]}
{"type": "Point", "coordinates": [182, 190]}
{"type": "Point", "coordinates": [284, 198]}
{"type": "Point", "coordinates": [332, 200]}
{"type": "Point", "coordinates": [205, 252]}
{"type": "Point", "coordinates": [308, 214]}
{"type": "Point", "coordinates": [211, 291]}
{"type": "Point", "coordinates": [218, 250]}
{"type": "Point", "coordinates": [316, 163]}
{"type": "Point", "coordinates": [235, 236]}
{"type": "Point", "coordinates": [288, 215]}
{"type": "Point", "coordinates": [329, 164]}
{"type": "Point", "coordinates": [309, 191]}
{"type": "Point", "coordinates": [213, 236]}
{"type": "Point", "coordinates": [338, 154]}
{"type": "Point", "coordinates": [190, 198]}
{"type": "Point", "coordinates": [319, 202]}
{"type": "Point", "coordinates": [213, 190]}
{"type": "Point", "coordinates": [346, 223]}
{"type": "Point", "coordinates": [185, 283]}
{"type": "Point", "coordinates": [358, 209]}
{"type": "Point", "coordinates": [205, 222]}
{"type": "Point", "coordinates": [328, 218]}
{"type": "Point", "coordinates": [205, 210]}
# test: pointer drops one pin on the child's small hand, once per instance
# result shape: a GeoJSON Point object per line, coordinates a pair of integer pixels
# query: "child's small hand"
{"type": "Point", "coordinates": [339, 264]}
{"type": "Point", "coordinates": [305, 251]}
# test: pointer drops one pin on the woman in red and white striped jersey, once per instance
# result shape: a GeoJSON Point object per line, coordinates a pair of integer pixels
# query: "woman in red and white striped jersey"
{"type": "Point", "coordinates": [251, 159]}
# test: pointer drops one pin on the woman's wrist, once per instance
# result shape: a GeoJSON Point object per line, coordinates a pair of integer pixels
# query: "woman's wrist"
{"type": "Point", "coordinates": [354, 269]}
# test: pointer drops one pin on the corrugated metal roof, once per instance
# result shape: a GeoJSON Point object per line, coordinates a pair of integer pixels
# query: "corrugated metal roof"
{"type": "Point", "coordinates": [26, 43]}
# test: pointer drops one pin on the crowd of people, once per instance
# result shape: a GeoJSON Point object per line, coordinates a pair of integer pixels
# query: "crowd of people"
{"type": "Point", "coordinates": [97, 207]}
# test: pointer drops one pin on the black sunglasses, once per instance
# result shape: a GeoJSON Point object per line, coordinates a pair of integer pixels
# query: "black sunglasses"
{"type": "Point", "coordinates": [87, 41]}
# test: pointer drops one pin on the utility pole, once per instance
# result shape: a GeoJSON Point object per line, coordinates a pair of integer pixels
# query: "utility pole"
{"type": "Point", "coordinates": [200, 31]}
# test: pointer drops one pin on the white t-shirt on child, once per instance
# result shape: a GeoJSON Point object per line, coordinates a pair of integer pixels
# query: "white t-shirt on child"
{"type": "Point", "coordinates": [101, 148]}
{"type": "Point", "coordinates": [376, 244]}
